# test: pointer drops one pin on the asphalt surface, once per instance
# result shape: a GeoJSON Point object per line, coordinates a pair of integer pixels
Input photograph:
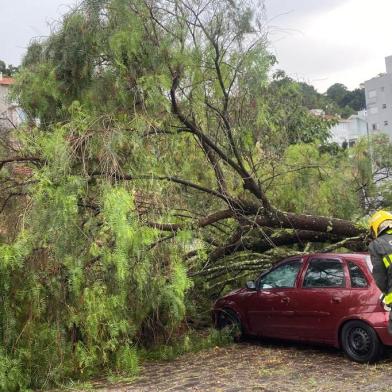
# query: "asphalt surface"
{"type": "Point", "coordinates": [261, 366]}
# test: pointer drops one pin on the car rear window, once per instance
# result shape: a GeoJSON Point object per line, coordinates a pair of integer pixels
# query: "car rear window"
{"type": "Point", "coordinates": [324, 273]}
{"type": "Point", "coordinates": [357, 277]}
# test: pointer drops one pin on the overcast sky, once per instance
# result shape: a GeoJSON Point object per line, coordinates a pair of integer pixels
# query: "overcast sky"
{"type": "Point", "coordinates": [317, 41]}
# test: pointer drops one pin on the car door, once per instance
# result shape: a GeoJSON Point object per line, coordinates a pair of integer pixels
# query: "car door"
{"type": "Point", "coordinates": [272, 305]}
{"type": "Point", "coordinates": [322, 300]}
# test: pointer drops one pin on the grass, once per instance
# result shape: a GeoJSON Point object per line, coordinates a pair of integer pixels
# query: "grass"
{"type": "Point", "coordinates": [191, 342]}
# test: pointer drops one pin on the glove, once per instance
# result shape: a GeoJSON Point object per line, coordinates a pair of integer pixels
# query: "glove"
{"type": "Point", "coordinates": [387, 307]}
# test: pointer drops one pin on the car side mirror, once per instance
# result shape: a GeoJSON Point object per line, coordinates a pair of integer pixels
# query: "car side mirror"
{"type": "Point", "coordinates": [250, 285]}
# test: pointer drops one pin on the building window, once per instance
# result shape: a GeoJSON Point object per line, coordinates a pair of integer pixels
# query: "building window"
{"type": "Point", "coordinates": [373, 94]}
{"type": "Point", "coordinates": [386, 123]}
{"type": "Point", "coordinates": [374, 127]}
{"type": "Point", "coordinates": [384, 105]}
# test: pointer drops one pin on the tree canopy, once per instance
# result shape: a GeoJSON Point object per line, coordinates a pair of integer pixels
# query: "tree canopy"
{"type": "Point", "coordinates": [7, 70]}
{"type": "Point", "coordinates": [349, 102]}
{"type": "Point", "coordinates": [337, 101]}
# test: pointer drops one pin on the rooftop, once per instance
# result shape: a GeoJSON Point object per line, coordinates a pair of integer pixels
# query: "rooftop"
{"type": "Point", "coordinates": [6, 81]}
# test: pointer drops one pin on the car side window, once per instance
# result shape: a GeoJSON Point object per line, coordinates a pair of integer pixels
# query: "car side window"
{"type": "Point", "coordinates": [358, 279]}
{"type": "Point", "coordinates": [324, 273]}
{"type": "Point", "coordinates": [283, 276]}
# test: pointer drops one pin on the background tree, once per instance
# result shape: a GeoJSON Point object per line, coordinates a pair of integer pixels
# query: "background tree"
{"type": "Point", "coordinates": [349, 102]}
{"type": "Point", "coordinates": [337, 93]}
{"type": "Point", "coordinates": [356, 99]}
{"type": "Point", "coordinates": [337, 101]}
{"type": "Point", "coordinates": [7, 70]}
{"type": "Point", "coordinates": [287, 105]}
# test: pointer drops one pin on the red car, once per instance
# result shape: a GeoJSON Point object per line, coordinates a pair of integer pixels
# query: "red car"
{"type": "Point", "coordinates": [323, 298]}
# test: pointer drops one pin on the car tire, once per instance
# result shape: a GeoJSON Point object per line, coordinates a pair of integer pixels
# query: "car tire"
{"type": "Point", "coordinates": [360, 342]}
{"type": "Point", "coordinates": [229, 319]}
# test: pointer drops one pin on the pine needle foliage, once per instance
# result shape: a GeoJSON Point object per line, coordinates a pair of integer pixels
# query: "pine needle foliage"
{"type": "Point", "coordinates": [78, 283]}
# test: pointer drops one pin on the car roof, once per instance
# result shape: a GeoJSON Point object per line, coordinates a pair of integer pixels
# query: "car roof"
{"type": "Point", "coordinates": [361, 257]}
{"type": "Point", "coordinates": [356, 256]}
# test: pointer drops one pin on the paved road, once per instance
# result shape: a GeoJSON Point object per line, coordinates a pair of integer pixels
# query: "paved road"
{"type": "Point", "coordinates": [256, 366]}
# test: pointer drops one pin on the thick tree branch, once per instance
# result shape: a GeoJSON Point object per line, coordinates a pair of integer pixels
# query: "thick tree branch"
{"type": "Point", "coordinates": [200, 223]}
{"type": "Point", "coordinates": [357, 244]}
{"type": "Point", "coordinates": [173, 179]}
{"type": "Point", "coordinates": [19, 159]}
{"type": "Point", "coordinates": [215, 272]}
{"type": "Point", "coordinates": [240, 243]}
{"type": "Point", "coordinates": [322, 224]}
{"type": "Point", "coordinates": [9, 197]}
{"type": "Point", "coordinates": [222, 186]}
{"type": "Point", "coordinates": [249, 182]}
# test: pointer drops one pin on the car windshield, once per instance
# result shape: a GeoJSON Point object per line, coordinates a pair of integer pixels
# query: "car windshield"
{"type": "Point", "coordinates": [281, 276]}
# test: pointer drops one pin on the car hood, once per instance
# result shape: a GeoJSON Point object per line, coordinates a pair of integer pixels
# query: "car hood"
{"type": "Point", "coordinates": [233, 293]}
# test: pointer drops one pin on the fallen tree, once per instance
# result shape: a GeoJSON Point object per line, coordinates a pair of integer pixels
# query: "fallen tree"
{"type": "Point", "coordinates": [156, 165]}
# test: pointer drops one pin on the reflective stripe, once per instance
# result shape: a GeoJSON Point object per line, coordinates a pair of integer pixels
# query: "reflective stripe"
{"type": "Point", "coordinates": [388, 299]}
{"type": "Point", "coordinates": [387, 260]}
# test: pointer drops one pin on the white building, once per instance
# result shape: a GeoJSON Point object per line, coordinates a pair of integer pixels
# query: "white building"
{"type": "Point", "coordinates": [317, 112]}
{"type": "Point", "coordinates": [379, 101]}
{"type": "Point", "coordinates": [347, 132]}
{"type": "Point", "coordinates": [10, 114]}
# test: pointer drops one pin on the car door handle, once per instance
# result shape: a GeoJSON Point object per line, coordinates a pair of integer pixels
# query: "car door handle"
{"type": "Point", "coordinates": [285, 300]}
{"type": "Point", "coordinates": [336, 300]}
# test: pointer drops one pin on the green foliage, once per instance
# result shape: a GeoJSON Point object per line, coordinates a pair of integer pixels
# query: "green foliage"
{"type": "Point", "coordinates": [9, 70]}
{"type": "Point", "coordinates": [286, 113]}
{"type": "Point", "coordinates": [337, 93]}
{"type": "Point", "coordinates": [374, 168]}
{"type": "Point", "coordinates": [337, 101]}
{"type": "Point", "coordinates": [313, 182]}
{"type": "Point", "coordinates": [12, 377]}
{"type": "Point", "coordinates": [190, 342]}
{"type": "Point", "coordinates": [33, 55]}
{"type": "Point", "coordinates": [87, 295]}
{"type": "Point", "coordinates": [127, 360]}
{"type": "Point", "coordinates": [348, 102]}
{"type": "Point", "coordinates": [12, 256]}
{"type": "Point", "coordinates": [103, 295]}
{"type": "Point", "coordinates": [38, 93]}
{"type": "Point", "coordinates": [173, 297]}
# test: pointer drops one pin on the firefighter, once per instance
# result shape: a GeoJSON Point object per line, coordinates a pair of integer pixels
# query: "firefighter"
{"type": "Point", "coordinates": [380, 250]}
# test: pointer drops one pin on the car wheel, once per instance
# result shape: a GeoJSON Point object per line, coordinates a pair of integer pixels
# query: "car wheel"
{"type": "Point", "coordinates": [228, 320]}
{"type": "Point", "coordinates": [360, 342]}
